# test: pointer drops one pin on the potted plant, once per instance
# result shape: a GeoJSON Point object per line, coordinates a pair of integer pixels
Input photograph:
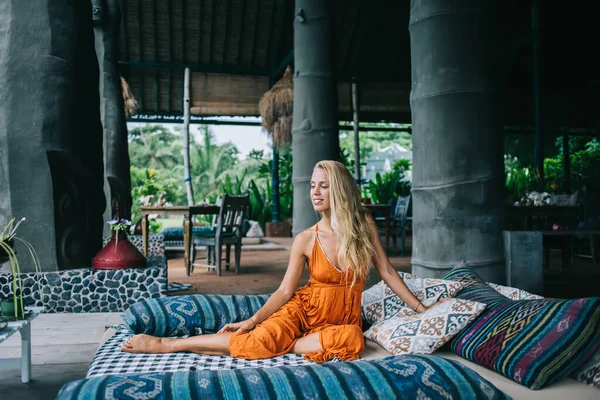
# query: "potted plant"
{"type": "Point", "coordinates": [14, 307]}
{"type": "Point", "coordinates": [119, 252]}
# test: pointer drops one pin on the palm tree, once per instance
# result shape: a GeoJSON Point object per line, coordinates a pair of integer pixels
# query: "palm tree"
{"type": "Point", "coordinates": [154, 146]}
{"type": "Point", "coordinates": [210, 161]}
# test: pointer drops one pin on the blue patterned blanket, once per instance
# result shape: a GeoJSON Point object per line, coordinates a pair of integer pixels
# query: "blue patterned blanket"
{"type": "Point", "coordinates": [407, 377]}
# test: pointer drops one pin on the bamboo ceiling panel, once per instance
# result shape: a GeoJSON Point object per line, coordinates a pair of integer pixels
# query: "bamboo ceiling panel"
{"type": "Point", "coordinates": [221, 94]}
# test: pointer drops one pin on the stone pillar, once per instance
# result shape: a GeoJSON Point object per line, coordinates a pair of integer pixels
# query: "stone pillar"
{"type": "Point", "coordinates": [458, 175]}
{"type": "Point", "coordinates": [315, 125]}
{"type": "Point", "coordinates": [117, 183]}
{"type": "Point", "coordinates": [50, 135]}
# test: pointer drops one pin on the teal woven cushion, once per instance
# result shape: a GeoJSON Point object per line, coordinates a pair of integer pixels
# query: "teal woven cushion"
{"type": "Point", "coordinates": [176, 233]}
{"type": "Point", "coordinates": [211, 234]}
{"type": "Point", "coordinates": [532, 342]}
{"type": "Point", "coordinates": [398, 377]}
{"type": "Point", "coordinates": [189, 314]}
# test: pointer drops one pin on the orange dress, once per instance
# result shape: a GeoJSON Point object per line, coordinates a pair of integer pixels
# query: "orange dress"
{"type": "Point", "coordinates": [328, 304]}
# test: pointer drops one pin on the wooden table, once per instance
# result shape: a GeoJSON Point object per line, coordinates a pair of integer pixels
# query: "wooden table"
{"type": "Point", "coordinates": [569, 235]}
{"type": "Point", "coordinates": [565, 215]}
{"type": "Point", "coordinates": [188, 213]}
{"type": "Point", "coordinates": [386, 209]}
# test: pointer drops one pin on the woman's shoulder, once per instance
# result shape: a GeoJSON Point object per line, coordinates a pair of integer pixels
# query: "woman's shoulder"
{"type": "Point", "coordinates": [303, 240]}
{"type": "Point", "coordinates": [307, 234]}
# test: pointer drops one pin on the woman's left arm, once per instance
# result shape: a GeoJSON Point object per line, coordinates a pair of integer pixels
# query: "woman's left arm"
{"type": "Point", "coordinates": [389, 275]}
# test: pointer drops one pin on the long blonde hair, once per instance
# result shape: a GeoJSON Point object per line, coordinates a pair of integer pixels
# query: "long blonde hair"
{"type": "Point", "coordinates": [348, 220]}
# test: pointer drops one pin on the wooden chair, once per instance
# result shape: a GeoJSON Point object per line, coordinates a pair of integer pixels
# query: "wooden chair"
{"type": "Point", "coordinates": [400, 221]}
{"type": "Point", "coordinates": [227, 231]}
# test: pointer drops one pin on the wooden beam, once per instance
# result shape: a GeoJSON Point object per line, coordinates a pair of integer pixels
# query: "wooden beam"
{"type": "Point", "coordinates": [194, 119]}
{"type": "Point", "coordinates": [183, 24]}
{"type": "Point", "coordinates": [200, 4]}
{"type": "Point", "coordinates": [208, 68]}
{"type": "Point", "coordinates": [170, 77]}
{"type": "Point", "coordinates": [156, 91]}
{"type": "Point", "coordinates": [239, 39]}
{"type": "Point", "coordinates": [352, 39]}
{"type": "Point", "coordinates": [212, 28]}
{"type": "Point", "coordinates": [124, 24]}
{"type": "Point", "coordinates": [254, 33]}
{"type": "Point", "coordinates": [139, 18]}
{"type": "Point", "coordinates": [270, 31]}
{"type": "Point", "coordinates": [279, 33]}
{"type": "Point", "coordinates": [227, 11]}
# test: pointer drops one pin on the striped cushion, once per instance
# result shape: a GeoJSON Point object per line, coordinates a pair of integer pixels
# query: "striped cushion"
{"type": "Point", "coordinates": [406, 377]}
{"type": "Point", "coordinates": [186, 315]}
{"type": "Point", "coordinates": [532, 342]}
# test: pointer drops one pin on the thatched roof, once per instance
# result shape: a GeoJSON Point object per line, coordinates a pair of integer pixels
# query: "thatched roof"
{"type": "Point", "coordinates": [129, 101]}
{"type": "Point", "coordinates": [253, 40]}
{"type": "Point", "coordinates": [276, 110]}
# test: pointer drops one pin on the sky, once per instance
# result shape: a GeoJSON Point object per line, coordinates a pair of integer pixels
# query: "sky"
{"type": "Point", "coordinates": [245, 138]}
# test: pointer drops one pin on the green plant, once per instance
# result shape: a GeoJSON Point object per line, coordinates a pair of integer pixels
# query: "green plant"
{"type": "Point", "coordinates": [148, 190]}
{"type": "Point", "coordinates": [390, 185]}
{"type": "Point", "coordinates": [8, 235]}
{"type": "Point", "coordinates": [119, 225]}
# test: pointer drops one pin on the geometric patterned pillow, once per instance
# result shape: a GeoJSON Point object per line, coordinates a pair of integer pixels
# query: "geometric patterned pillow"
{"type": "Point", "coordinates": [187, 314]}
{"type": "Point", "coordinates": [514, 293]}
{"type": "Point", "coordinates": [532, 342]}
{"type": "Point", "coordinates": [409, 332]}
{"type": "Point", "coordinates": [379, 302]}
{"type": "Point", "coordinates": [590, 372]}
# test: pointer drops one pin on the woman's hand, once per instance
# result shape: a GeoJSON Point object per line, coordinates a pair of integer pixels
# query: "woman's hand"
{"type": "Point", "coordinates": [243, 326]}
{"type": "Point", "coordinates": [421, 308]}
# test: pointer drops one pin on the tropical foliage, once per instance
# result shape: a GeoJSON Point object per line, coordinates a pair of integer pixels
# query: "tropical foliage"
{"type": "Point", "coordinates": [390, 185]}
{"type": "Point", "coordinates": [157, 171]}
{"type": "Point", "coordinates": [584, 156]}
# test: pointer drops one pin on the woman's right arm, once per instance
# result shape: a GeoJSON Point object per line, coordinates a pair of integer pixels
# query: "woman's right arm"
{"type": "Point", "coordinates": [285, 291]}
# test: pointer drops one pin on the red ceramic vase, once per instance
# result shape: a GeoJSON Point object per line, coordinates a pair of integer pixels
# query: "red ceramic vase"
{"type": "Point", "coordinates": [119, 255]}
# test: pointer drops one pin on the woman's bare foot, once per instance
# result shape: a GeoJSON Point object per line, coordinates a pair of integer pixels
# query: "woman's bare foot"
{"type": "Point", "coordinates": [145, 344]}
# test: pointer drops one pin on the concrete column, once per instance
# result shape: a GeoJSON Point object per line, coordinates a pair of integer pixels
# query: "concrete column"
{"type": "Point", "coordinates": [458, 176]}
{"type": "Point", "coordinates": [315, 125]}
{"type": "Point", "coordinates": [117, 178]}
{"type": "Point", "coordinates": [51, 168]}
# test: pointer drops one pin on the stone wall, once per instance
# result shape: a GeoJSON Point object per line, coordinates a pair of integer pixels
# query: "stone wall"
{"type": "Point", "coordinates": [91, 290]}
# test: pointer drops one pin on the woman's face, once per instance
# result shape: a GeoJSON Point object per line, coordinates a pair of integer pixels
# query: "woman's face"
{"type": "Point", "coordinates": [319, 190]}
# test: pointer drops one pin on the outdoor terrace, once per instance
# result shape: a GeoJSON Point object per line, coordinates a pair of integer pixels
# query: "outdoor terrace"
{"type": "Point", "coordinates": [63, 344]}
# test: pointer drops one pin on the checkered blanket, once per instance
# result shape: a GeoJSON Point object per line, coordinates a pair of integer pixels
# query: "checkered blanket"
{"type": "Point", "coordinates": [110, 360]}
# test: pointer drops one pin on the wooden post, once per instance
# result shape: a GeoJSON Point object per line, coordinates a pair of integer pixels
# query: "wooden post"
{"type": "Point", "coordinates": [186, 138]}
{"type": "Point", "coordinates": [275, 214]}
{"type": "Point", "coordinates": [275, 217]}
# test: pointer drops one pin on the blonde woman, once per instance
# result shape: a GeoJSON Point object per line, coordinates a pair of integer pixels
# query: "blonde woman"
{"type": "Point", "coordinates": [322, 319]}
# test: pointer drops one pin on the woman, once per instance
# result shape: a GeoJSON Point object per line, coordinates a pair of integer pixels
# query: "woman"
{"type": "Point", "coordinates": [321, 320]}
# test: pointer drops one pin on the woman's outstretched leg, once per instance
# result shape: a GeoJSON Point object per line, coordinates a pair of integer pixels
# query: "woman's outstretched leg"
{"type": "Point", "coordinates": [213, 344]}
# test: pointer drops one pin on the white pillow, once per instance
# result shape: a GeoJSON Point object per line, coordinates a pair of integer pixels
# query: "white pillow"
{"type": "Point", "coordinates": [514, 293]}
{"type": "Point", "coordinates": [409, 332]}
{"type": "Point", "coordinates": [379, 302]}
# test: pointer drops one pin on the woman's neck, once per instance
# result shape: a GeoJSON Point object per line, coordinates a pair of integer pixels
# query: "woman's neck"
{"type": "Point", "coordinates": [325, 219]}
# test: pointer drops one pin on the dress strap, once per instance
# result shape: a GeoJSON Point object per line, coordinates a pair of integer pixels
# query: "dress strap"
{"type": "Point", "coordinates": [317, 227]}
